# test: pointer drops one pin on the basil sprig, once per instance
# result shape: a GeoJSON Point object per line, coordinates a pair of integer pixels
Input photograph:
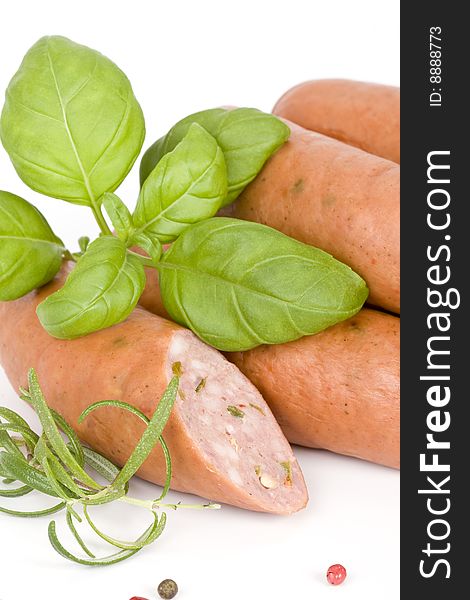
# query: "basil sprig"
{"type": "Point", "coordinates": [50, 465]}
{"type": "Point", "coordinates": [256, 296]}
{"type": "Point", "coordinates": [105, 276]}
{"type": "Point", "coordinates": [247, 137]}
{"type": "Point", "coordinates": [71, 123]}
{"type": "Point", "coordinates": [168, 205]}
{"type": "Point", "coordinates": [30, 253]}
{"type": "Point", "coordinates": [73, 129]}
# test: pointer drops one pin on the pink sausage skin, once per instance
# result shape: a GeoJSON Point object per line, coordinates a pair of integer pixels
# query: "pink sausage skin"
{"type": "Point", "coordinates": [337, 198]}
{"type": "Point", "coordinates": [365, 115]}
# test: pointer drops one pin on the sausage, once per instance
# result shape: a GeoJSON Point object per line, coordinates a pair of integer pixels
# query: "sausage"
{"type": "Point", "coordinates": [338, 198]}
{"type": "Point", "coordinates": [224, 441]}
{"type": "Point", "coordinates": [365, 115]}
{"type": "Point", "coordinates": [151, 298]}
{"type": "Point", "coordinates": [338, 389]}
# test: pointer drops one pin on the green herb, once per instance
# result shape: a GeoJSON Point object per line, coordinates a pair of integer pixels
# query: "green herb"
{"type": "Point", "coordinates": [201, 385]}
{"type": "Point", "coordinates": [235, 412]}
{"type": "Point", "coordinates": [81, 107]}
{"type": "Point", "coordinates": [248, 137]}
{"type": "Point", "coordinates": [258, 408]}
{"type": "Point", "coordinates": [187, 186]}
{"type": "Point", "coordinates": [150, 436]}
{"type": "Point", "coordinates": [73, 128]}
{"type": "Point", "coordinates": [30, 254]}
{"type": "Point", "coordinates": [57, 469]}
{"type": "Point", "coordinates": [177, 369]}
{"type": "Point", "coordinates": [52, 433]}
{"type": "Point", "coordinates": [150, 243]}
{"type": "Point", "coordinates": [75, 445]}
{"type": "Point", "coordinates": [5, 440]}
{"type": "Point", "coordinates": [246, 295]}
{"type": "Point", "coordinates": [83, 243]}
{"type": "Point", "coordinates": [102, 290]}
{"type": "Point", "coordinates": [286, 465]}
{"type": "Point", "coordinates": [119, 214]}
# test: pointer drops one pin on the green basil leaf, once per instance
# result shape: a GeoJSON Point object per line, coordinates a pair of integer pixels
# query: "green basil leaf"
{"type": "Point", "coordinates": [83, 243]}
{"type": "Point", "coordinates": [248, 137]}
{"type": "Point", "coordinates": [101, 291]}
{"type": "Point", "coordinates": [208, 119]}
{"type": "Point", "coordinates": [30, 253]}
{"type": "Point", "coordinates": [188, 185]}
{"type": "Point", "coordinates": [238, 284]}
{"type": "Point", "coordinates": [150, 243]}
{"type": "Point", "coordinates": [119, 214]}
{"type": "Point", "coordinates": [71, 123]}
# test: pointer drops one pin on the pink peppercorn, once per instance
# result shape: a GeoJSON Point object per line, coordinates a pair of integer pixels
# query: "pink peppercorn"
{"type": "Point", "coordinates": [336, 574]}
{"type": "Point", "coordinates": [138, 598]}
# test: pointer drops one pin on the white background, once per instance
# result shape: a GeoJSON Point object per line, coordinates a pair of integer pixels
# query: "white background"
{"type": "Point", "coordinates": [183, 56]}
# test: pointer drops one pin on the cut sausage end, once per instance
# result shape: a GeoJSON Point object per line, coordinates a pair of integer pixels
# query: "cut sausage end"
{"type": "Point", "coordinates": [231, 425]}
{"type": "Point", "coordinates": [225, 445]}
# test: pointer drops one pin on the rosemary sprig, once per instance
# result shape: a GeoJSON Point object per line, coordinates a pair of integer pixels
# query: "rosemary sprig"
{"type": "Point", "coordinates": [57, 467]}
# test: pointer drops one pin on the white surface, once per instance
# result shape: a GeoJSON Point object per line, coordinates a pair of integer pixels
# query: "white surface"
{"type": "Point", "coordinates": [182, 57]}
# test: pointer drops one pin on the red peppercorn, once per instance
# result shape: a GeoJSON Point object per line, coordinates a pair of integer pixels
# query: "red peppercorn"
{"type": "Point", "coordinates": [336, 574]}
{"type": "Point", "coordinates": [138, 598]}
